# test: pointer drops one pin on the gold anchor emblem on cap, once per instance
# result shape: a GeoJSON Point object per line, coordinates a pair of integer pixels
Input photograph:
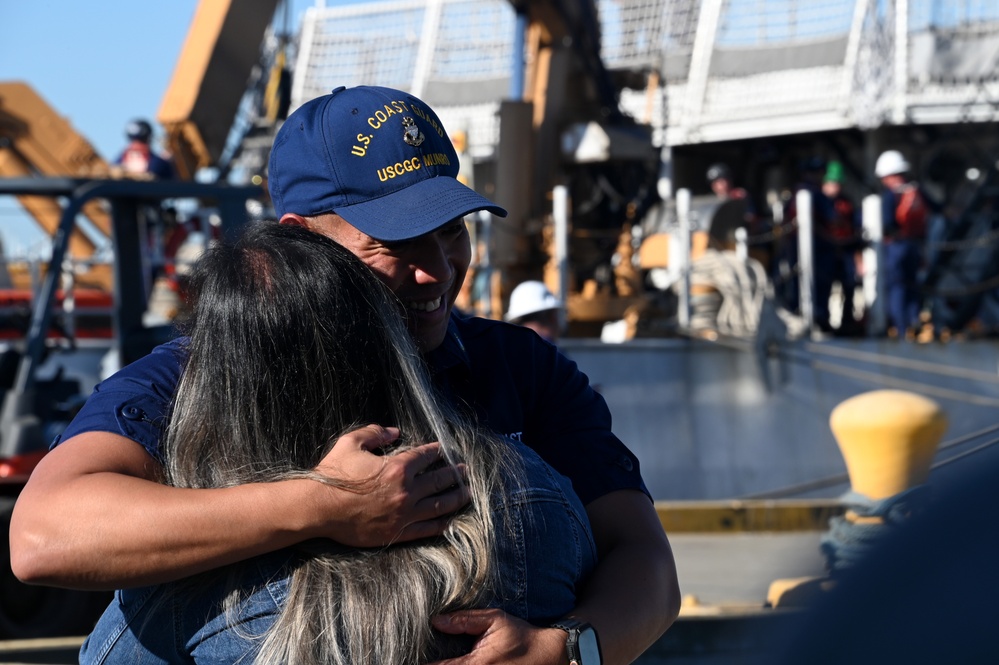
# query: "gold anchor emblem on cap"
{"type": "Point", "coordinates": [411, 134]}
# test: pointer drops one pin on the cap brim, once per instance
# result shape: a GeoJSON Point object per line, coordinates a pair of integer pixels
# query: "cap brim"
{"type": "Point", "coordinates": [416, 210]}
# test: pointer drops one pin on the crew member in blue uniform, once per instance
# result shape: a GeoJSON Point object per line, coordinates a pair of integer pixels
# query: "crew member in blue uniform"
{"type": "Point", "coordinates": [138, 158]}
{"type": "Point", "coordinates": [373, 169]}
{"type": "Point", "coordinates": [842, 239]}
{"type": "Point", "coordinates": [810, 176]}
{"type": "Point", "coordinates": [905, 214]}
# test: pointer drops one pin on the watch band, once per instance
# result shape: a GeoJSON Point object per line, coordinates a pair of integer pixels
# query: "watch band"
{"type": "Point", "coordinates": [573, 627]}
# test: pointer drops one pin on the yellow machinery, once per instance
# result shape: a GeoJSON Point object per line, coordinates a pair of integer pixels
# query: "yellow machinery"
{"type": "Point", "coordinates": [568, 90]}
{"type": "Point", "coordinates": [565, 85]}
{"type": "Point", "coordinates": [220, 51]}
{"type": "Point", "coordinates": [37, 141]}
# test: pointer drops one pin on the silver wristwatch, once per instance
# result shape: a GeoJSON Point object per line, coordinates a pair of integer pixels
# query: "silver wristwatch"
{"type": "Point", "coordinates": [581, 645]}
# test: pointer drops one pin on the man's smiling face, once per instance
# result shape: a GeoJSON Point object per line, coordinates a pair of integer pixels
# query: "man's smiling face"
{"type": "Point", "coordinates": [425, 272]}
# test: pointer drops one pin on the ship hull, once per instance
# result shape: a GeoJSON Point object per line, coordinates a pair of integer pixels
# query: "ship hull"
{"type": "Point", "coordinates": [713, 421]}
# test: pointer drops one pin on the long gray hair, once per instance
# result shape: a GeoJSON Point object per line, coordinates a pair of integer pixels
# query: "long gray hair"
{"type": "Point", "coordinates": [294, 342]}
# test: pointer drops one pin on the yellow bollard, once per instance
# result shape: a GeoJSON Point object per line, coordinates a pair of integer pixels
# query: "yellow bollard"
{"type": "Point", "coordinates": [887, 439]}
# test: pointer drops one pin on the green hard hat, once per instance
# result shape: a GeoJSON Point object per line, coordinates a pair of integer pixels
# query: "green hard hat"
{"type": "Point", "coordinates": [834, 172]}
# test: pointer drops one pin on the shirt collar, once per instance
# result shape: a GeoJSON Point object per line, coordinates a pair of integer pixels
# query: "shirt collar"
{"type": "Point", "coordinates": [451, 353]}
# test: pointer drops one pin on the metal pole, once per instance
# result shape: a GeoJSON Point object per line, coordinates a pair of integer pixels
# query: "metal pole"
{"type": "Point", "coordinates": [708, 20]}
{"type": "Point", "coordinates": [683, 238]}
{"type": "Point", "coordinates": [485, 270]}
{"type": "Point", "coordinates": [664, 185]}
{"type": "Point", "coordinates": [803, 203]}
{"type": "Point", "coordinates": [41, 314]}
{"type": "Point", "coordinates": [5, 278]}
{"type": "Point", "coordinates": [742, 244]}
{"type": "Point", "coordinates": [874, 291]}
{"type": "Point", "coordinates": [901, 70]}
{"type": "Point", "coordinates": [18, 420]}
{"type": "Point", "coordinates": [517, 66]}
{"type": "Point", "coordinates": [560, 214]}
{"type": "Point", "coordinates": [428, 39]}
{"type": "Point", "coordinates": [852, 53]}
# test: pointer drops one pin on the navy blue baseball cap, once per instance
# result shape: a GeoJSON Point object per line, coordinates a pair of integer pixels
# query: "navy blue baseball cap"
{"type": "Point", "coordinates": [378, 157]}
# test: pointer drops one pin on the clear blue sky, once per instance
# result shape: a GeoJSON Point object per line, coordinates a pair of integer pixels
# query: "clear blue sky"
{"type": "Point", "coordinates": [98, 64]}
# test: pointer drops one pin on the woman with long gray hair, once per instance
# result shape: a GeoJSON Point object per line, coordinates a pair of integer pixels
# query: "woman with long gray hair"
{"type": "Point", "coordinates": [293, 342]}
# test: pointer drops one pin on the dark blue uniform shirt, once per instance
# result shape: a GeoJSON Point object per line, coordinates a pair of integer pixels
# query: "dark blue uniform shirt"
{"type": "Point", "coordinates": [514, 382]}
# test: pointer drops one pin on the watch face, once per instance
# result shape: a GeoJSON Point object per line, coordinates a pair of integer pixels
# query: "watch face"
{"type": "Point", "coordinates": [589, 650]}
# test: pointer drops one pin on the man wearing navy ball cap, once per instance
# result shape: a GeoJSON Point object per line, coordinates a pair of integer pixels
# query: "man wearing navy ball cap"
{"type": "Point", "coordinates": [373, 169]}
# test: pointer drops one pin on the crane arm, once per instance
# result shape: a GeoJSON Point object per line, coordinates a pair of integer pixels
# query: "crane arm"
{"type": "Point", "coordinates": [35, 140]}
{"type": "Point", "coordinates": [221, 49]}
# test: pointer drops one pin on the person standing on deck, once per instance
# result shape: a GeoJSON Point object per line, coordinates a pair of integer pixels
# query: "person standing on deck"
{"type": "Point", "coordinates": [905, 213]}
{"type": "Point", "coordinates": [533, 306]}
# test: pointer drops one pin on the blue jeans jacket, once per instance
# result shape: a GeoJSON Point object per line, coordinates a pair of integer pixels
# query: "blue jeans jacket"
{"type": "Point", "coordinates": [549, 553]}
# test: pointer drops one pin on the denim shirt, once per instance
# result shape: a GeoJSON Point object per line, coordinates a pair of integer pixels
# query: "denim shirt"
{"type": "Point", "coordinates": [541, 564]}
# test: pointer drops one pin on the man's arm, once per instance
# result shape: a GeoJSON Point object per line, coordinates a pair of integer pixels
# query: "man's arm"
{"type": "Point", "coordinates": [631, 598]}
{"type": "Point", "coordinates": [94, 514]}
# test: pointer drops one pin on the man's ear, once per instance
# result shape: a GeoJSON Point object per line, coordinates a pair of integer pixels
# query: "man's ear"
{"type": "Point", "coordinates": [292, 219]}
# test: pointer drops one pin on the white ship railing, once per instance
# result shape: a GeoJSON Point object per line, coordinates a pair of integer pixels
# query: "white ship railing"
{"type": "Point", "coordinates": [718, 69]}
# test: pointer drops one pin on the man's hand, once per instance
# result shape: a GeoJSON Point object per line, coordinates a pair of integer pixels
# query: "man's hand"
{"type": "Point", "coordinates": [95, 515]}
{"type": "Point", "coordinates": [503, 639]}
{"type": "Point", "coordinates": [382, 499]}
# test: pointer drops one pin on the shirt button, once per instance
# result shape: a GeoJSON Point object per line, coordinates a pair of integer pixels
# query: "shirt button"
{"type": "Point", "coordinates": [132, 413]}
{"type": "Point", "coordinates": [625, 463]}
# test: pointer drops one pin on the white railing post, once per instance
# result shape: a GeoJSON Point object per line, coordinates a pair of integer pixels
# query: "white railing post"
{"type": "Point", "coordinates": [683, 238]}
{"type": "Point", "coordinates": [484, 271]}
{"type": "Point", "coordinates": [853, 45]}
{"type": "Point", "coordinates": [901, 64]}
{"type": "Point", "coordinates": [560, 215]}
{"type": "Point", "coordinates": [423, 67]}
{"type": "Point", "coordinates": [874, 291]}
{"type": "Point", "coordinates": [708, 20]}
{"type": "Point", "coordinates": [803, 203]}
{"type": "Point", "coordinates": [742, 244]}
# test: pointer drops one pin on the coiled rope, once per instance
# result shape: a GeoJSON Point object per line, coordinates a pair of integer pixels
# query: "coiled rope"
{"type": "Point", "coordinates": [741, 287]}
{"type": "Point", "coordinates": [851, 537]}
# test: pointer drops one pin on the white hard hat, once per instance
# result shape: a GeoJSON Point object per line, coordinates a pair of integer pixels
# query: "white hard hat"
{"type": "Point", "coordinates": [890, 162]}
{"type": "Point", "coordinates": [529, 298]}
